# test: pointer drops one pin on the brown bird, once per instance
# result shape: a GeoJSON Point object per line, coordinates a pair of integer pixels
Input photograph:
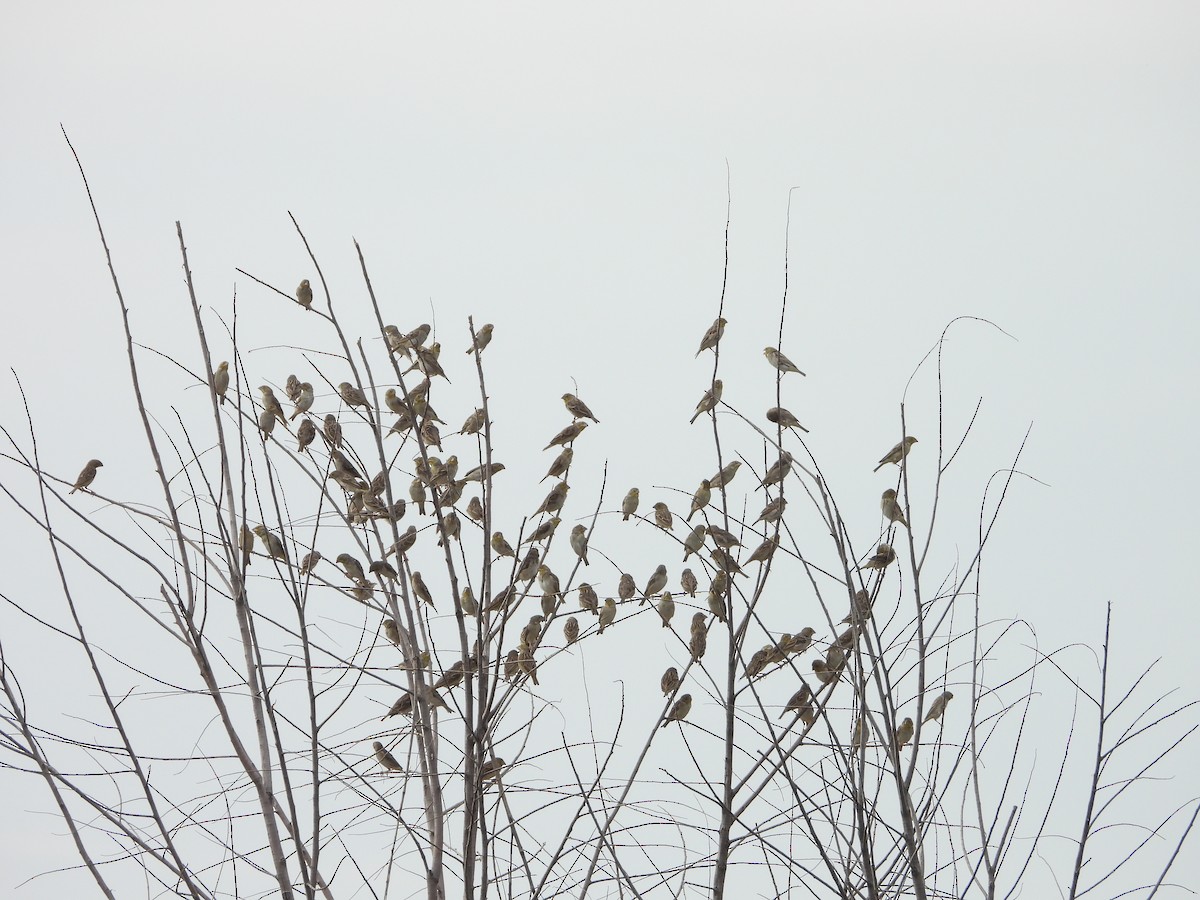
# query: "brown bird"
{"type": "Point", "coordinates": [823, 672]}
{"type": "Point", "coordinates": [466, 602]}
{"type": "Point", "coordinates": [891, 509]}
{"type": "Point", "coordinates": [303, 401]}
{"type": "Point", "coordinates": [666, 608]}
{"type": "Point", "coordinates": [578, 408]}
{"type": "Point", "coordinates": [608, 614]}
{"type": "Point", "coordinates": [722, 478]}
{"type": "Point", "coordinates": [709, 401]}
{"type": "Point", "coordinates": [779, 361]}
{"type": "Point", "coordinates": [699, 636]}
{"type": "Point", "coordinates": [473, 423]}
{"type": "Point", "coordinates": [490, 770]}
{"type": "Point", "coordinates": [274, 546]}
{"type": "Point", "coordinates": [332, 431]}
{"type": "Point", "coordinates": [561, 464]}
{"type": "Point", "coordinates": [773, 511]}
{"type": "Point", "coordinates": [663, 518]}
{"type": "Point", "coordinates": [669, 681]}
{"type": "Point", "coordinates": [716, 605]}
{"type": "Point", "coordinates": [482, 473]}
{"type": "Point", "coordinates": [391, 631]}
{"type": "Point", "coordinates": [512, 665]}
{"type": "Point", "coordinates": [420, 590]}
{"type": "Point", "coordinates": [764, 551]}
{"type": "Point", "coordinates": [383, 569]}
{"type": "Point", "coordinates": [352, 567]}
{"type": "Point", "coordinates": [904, 733]}
{"type": "Point", "coordinates": [860, 608]}
{"type": "Point", "coordinates": [778, 470]}
{"type": "Point", "coordinates": [483, 337]}
{"type": "Point", "coordinates": [688, 581]}
{"type": "Point", "coordinates": [382, 754]}
{"type": "Point", "coordinates": [589, 601]}
{"type": "Point", "coordinates": [501, 546]}
{"type": "Point", "coordinates": [309, 562]}
{"type": "Point", "coordinates": [475, 509]}
{"type": "Point", "coordinates": [304, 294]}
{"type": "Point", "coordinates": [679, 710]}
{"type": "Point", "coordinates": [656, 583]}
{"type": "Point", "coordinates": [801, 702]}
{"type": "Point", "coordinates": [712, 336]}
{"type": "Point", "coordinates": [579, 542]}
{"type": "Point", "coordinates": [554, 500]}
{"type": "Point", "coordinates": [897, 453]}
{"type": "Point", "coordinates": [352, 395]}
{"type": "Point", "coordinates": [220, 380]}
{"type": "Point", "coordinates": [571, 629]}
{"type": "Point", "coordinates": [783, 418]}
{"type": "Point", "coordinates": [630, 504]}
{"type": "Point", "coordinates": [529, 565]}
{"type": "Point", "coordinates": [416, 493]}
{"type": "Point", "coordinates": [694, 541]}
{"type": "Point", "coordinates": [701, 498]}
{"type": "Point", "coordinates": [884, 557]}
{"type": "Point", "coordinates": [626, 587]}
{"type": "Point", "coordinates": [271, 405]}
{"type": "Point", "coordinates": [87, 476]}
{"type": "Point", "coordinates": [406, 541]}
{"type": "Point", "coordinates": [567, 435]}
{"type": "Point", "coordinates": [305, 435]}
{"type": "Point", "coordinates": [938, 706]}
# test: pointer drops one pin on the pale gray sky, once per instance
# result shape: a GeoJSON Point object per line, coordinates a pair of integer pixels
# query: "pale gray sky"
{"type": "Point", "coordinates": [561, 171]}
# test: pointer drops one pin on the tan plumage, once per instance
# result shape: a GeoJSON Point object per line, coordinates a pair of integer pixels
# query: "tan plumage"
{"type": "Point", "coordinates": [715, 330]}
{"type": "Point", "coordinates": [420, 590]}
{"type": "Point", "coordinates": [579, 542]}
{"type": "Point", "coordinates": [391, 631]}
{"type": "Point", "coordinates": [687, 580]}
{"type": "Point", "coordinates": [860, 608]}
{"type": "Point", "coordinates": [666, 608]}
{"type": "Point", "coordinates": [716, 605]}
{"type": "Point", "coordinates": [304, 294]}
{"type": "Point", "coordinates": [608, 614]}
{"type": "Point", "coordinates": [656, 582]}
{"type": "Point", "coordinates": [779, 361]}
{"type": "Point", "coordinates": [694, 541]}
{"type": "Point", "coordinates": [764, 551]}
{"type": "Point", "coordinates": [309, 562]}
{"type": "Point", "coordinates": [306, 433]}
{"type": "Point", "coordinates": [701, 498]}
{"type": "Point", "coordinates": [626, 587]}
{"type": "Point", "coordinates": [483, 337]}
{"type": "Point", "coordinates": [383, 569]}
{"type": "Point", "coordinates": [726, 475]}
{"type": "Point", "coordinates": [271, 405]}
{"type": "Point", "coordinates": [938, 706]}
{"type": "Point", "coordinates": [304, 401]}
{"type": "Point", "coordinates": [529, 565]}
{"type": "Point", "coordinates": [724, 561]}
{"type": "Point", "coordinates": [709, 401]}
{"type": "Point", "coordinates": [722, 538]}
{"type": "Point", "coordinates": [406, 541]}
{"type": "Point", "coordinates": [698, 641]}
{"type": "Point", "coordinates": [630, 504]}
{"type": "Point", "coordinates": [773, 511]}
{"type": "Point", "coordinates": [86, 476]}
{"type": "Point", "coordinates": [897, 453]}
{"type": "Point", "coordinates": [892, 510]}
{"type": "Point", "coordinates": [352, 567]}
{"type": "Point", "coordinates": [416, 493]}
{"type": "Point", "coordinates": [352, 395]}
{"type": "Point", "coordinates": [904, 733]}
{"type": "Point", "coordinates": [554, 500]}
{"type": "Point", "coordinates": [220, 380]}
{"type": "Point", "coordinates": [663, 518]}
{"type": "Point", "coordinates": [473, 424]}
{"type": "Point", "coordinates": [501, 546]}
{"type": "Point", "coordinates": [567, 435]}
{"type": "Point", "coordinates": [551, 588]}
{"type": "Point", "coordinates": [475, 509]}
{"type": "Point", "coordinates": [589, 601]}
{"type": "Point", "coordinates": [571, 629]}
{"type": "Point", "coordinates": [801, 702]}
{"type": "Point", "coordinates": [490, 770]}
{"type": "Point", "coordinates": [482, 473]}
{"type": "Point", "coordinates": [266, 423]}
{"type": "Point", "coordinates": [382, 754]}
{"type": "Point", "coordinates": [758, 661]}
{"type": "Point", "coordinates": [332, 431]}
{"type": "Point", "coordinates": [783, 418]}
{"type": "Point", "coordinates": [467, 603]}
{"type": "Point", "coordinates": [451, 528]}
{"type": "Point", "coordinates": [561, 464]}
{"type": "Point", "coordinates": [291, 387]}
{"type": "Point", "coordinates": [779, 469]}
{"type": "Point", "coordinates": [512, 665]}
{"type": "Point", "coordinates": [823, 672]}
{"type": "Point", "coordinates": [679, 710]}
{"type": "Point", "coordinates": [578, 408]}
{"type": "Point", "coordinates": [884, 557]}
{"type": "Point", "coordinates": [271, 542]}
{"type": "Point", "coordinates": [669, 681]}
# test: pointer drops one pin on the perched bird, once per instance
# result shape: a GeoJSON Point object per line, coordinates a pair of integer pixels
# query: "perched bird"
{"type": "Point", "coordinates": [884, 557]}
{"type": "Point", "coordinates": [352, 567]}
{"type": "Point", "coordinates": [578, 408]}
{"type": "Point", "coordinates": [778, 470]}
{"type": "Point", "coordinates": [656, 583]}
{"type": "Point", "coordinates": [722, 478]}
{"type": "Point", "coordinates": [475, 509]}
{"type": "Point", "coordinates": [716, 605]}
{"type": "Point", "coordinates": [292, 387]}
{"type": "Point", "coordinates": [662, 517]}
{"type": "Point", "coordinates": [266, 423]}
{"type": "Point", "coordinates": [271, 405]}
{"type": "Point", "coordinates": [712, 336]}
{"type": "Point", "coordinates": [669, 681]}
{"type": "Point", "coordinates": [482, 473]}
{"type": "Point", "coordinates": [391, 631]}
{"type": "Point", "coordinates": [777, 415]}
{"type": "Point", "coordinates": [904, 733]}
{"type": "Point", "coordinates": [246, 544]}
{"type": "Point", "coordinates": [430, 434]}
{"type": "Point", "coordinates": [501, 546]}
{"type": "Point", "coordinates": [529, 565]}
{"type": "Point", "coordinates": [938, 706]}
{"type": "Point", "coordinates": [466, 602]}
{"type": "Point", "coordinates": [626, 587]}
{"type": "Point", "coordinates": [306, 433]}
{"type": "Point", "coordinates": [773, 511]}
{"type": "Point", "coordinates": [694, 541]}
{"type": "Point", "coordinates": [531, 634]}
{"type": "Point", "coordinates": [220, 380]}
{"type": "Point", "coordinates": [393, 402]}
{"type": "Point", "coordinates": [701, 498]}
{"type": "Point", "coordinates": [666, 608]}
{"type": "Point", "coordinates": [848, 638]}
{"type": "Point", "coordinates": [561, 464]}
{"type": "Point", "coordinates": [834, 657]}
{"type": "Point", "coordinates": [404, 706]}
{"type": "Point", "coordinates": [579, 542]}
{"type": "Point", "coordinates": [420, 590]}
{"type": "Point", "coordinates": [698, 642]}
{"type": "Point", "coordinates": [451, 528]}
{"type": "Point", "coordinates": [512, 664]}
{"type": "Point", "coordinates": [779, 361]}
{"type": "Point", "coordinates": [891, 509]}
{"type": "Point", "coordinates": [416, 493]}
{"type": "Point", "coordinates": [309, 562]}
{"type": "Point", "coordinates": [725, 561]}
{"type": "Point", "coordinates": [823, 672]}
{"type": "Point", "coordinates": [801, 702]}
{"type": "Point", "coordinates": [343, 464]}
{"type": "Point", "coordinates": [567, 435]}
{"type": "Point", "coordinates": [274, 545]}
{"type": "Point", "coordinates": [709, 401]}
{"type": "Point", "coordinates": [800, 642]}
{"type": "Point", "coordinates": [858, 737]}
{"type": "Point", "coordinates": [382, 754]}
{"type": "Point", "coordinates": [87, 476]}
{"type": "Point", "coordinates": [304, 294]}
{"type": "Point", "coordinates": [764, 551]}
{"type": "Point", "coordinates": [687, 580]}
{"type": "Point", "coordinates": [490, 770]}
{"type": "Point", "coordinates": [630, 504]}
{"type": "Point", "coordinates": [897, 453]}
{"type": "Point", "coordinates": [406, 541]}
{"type": "Point", "coordinates": [352, 395]}
{"type": "Point", "coordinates": [332, 431]}
{"type": "Point", "coordinates": [554, 500]}
{"type": "Point", "coordinates": [347, 481]}
{"type": "Point", "coordinates": [758, 661]}
{"type": "Point", "coordinates": [679, 710]}
{"type": "Point", "coordinates": [589, 601]}
{"type": "Point", "coordinates": [483, 337]}
{"type": "Point", "coordinates": [304, 402]}
{"type": "Point", "coordinates": [383, 569]}
{"type": "Point", "coordinates": [571, 629]}
{"type": "Point", "coordinates": [550, 585]}
{"type": "Point", "coordinates": [860, 608]}
{"type": "Point", "coordinates": [418, 335]}
{"type": "Point", "coordinates": [500, 601]}
{"type": "Point", "coordinates": [607, 614]}
{"type": "Point", "coordinates": [473, 423]}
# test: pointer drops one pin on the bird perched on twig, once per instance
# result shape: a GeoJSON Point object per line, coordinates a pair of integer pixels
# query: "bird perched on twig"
{"type": "Point", "coordinates": [578, 408]}
{"type": "Point", "coordinates": [884, 557]}
{"type": "Point", "coordinates": [608, 614]}
{"type": "Point", "coordinates": [579, 542]}
{"type": "Point", "coordinates": [656, 583]}
{"type": "Point", "coordinates": [306, 433]}
{"type": "Point", "coordinates": [501, 546]}
{"type": "Point", "coordinates": [687, 580]}
{"type": "Point", "coordinates": [777, 415]}
{"type": "Point", "coordinates": [663, 518]}
{"type": "Point", "coordinates": [567, 435]}
{"type": "Point", "coordinates": [904, 733]}
{"type": "Point", "coordinates": [722, 478]}
{"type": "Point", "coordinates": [714, 333]}
{"type": "Point", "coordinates": [382, 754]}
{"type": "Point", "coordinates": [352, 395]}
{"type": "Point", "coordinates": [701, 498]}
{"type": "Point", "coordinates": [669, 681]}
{"type": "Point", "coordinates": [561, 463]}
{"type": "Point", "coordinates": [554, 500]}
{"type": "Point", "coordinates": [694, 541]}
{"type": "Point", "coordinates": [709, 401]}
{"type": "Point", "coordinates": [304, 294]}
{"type": "Point", "coordinates": [779, 361]}
{"type": "Point", "coordinates": [86, 476]}
{"type": "Point", "coordinates": [630, 504]}
{"type": "Point", "coordinates": [891, 509]}
{"type": "Point", "coordinates": [666, 608]}
{"type": "Point", "coordinates": [679, 710]}
{"type": "Point", "coordinates": [937, 707]}
{"type": "Point", "coordinates": [589, 600]}
{"type": "Point", "coordinates": [220, 380]}
{"type": "Point", "coordinates": [897, 453]}
{"type": "Point", "coordinates": [571, 629]}
{"type": "Point", "coordinates": [483, 337]}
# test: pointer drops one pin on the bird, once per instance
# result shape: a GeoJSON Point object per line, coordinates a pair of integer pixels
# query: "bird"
{"type": "Point", "coordinates": [332, 431]}
{"type": "Point", "coordinates": [666, 608]}
{"type": "Point", "coordinates": [306, 433]}
{"type": "Point", "coordinates": [801, 702]}
{"type": "Point", "coordinates": [490, 770]}
{"type": "Point", "coordinates": [724, 561]}
{"type": "Point", "coordinates": [716, 605]}
{"type": "Point", "coordinates": [722, 478]}
{"type": "Point", "coordinates": [694, 541]}
{"type": "Point", "coordinates": [656, 583]}
{"type": "Point", "coordinates": [561, 464]}
{"type": "Point", "coordinates": [663, 518]}
{"type": "Point", "coordinates": [626, 587]}
{"type": "Point", "coordinates": [406, 541]}
{"type": "Point", "coordinates": [531, 634]}
{"type": "Point", "coordinates": [860, 608]}
{"type": "Point", "coordinates": [723, 538]}
{"type": "Point", "coordinates": [630, 504]}
{"type": "Point", "coordinates": [473, 423]}
{"type": "Point", "coordinates": [304, 294]}
{"type": "Point", "coordinates": [271, 405]}
{"type": "Point", "coordinates": [937, 707]}
{"type": "Point", "coordinates": [779, 361]}
{"type": "Point", "coordinates": [482, 473]}
{"type": "Point", "coordinates": [87, 476]}
{"type": "Point", "coordinates": [451, 527]}
{"type": "Point", "coordinates": [904, 733]}
{"type": "Point", "coordinates": [891, 509]}
{"type": "Point", "coordinates": [274, 545]}
{"type": "Point", "coordinates": [291, 387]}
{"type": "Point", "coordinates": [589, 601]}
{"type": "Point", "coordinates": [220, 380]}
{"type": "Point", "coordinates": [554, 500]}
{"type": "Point", "coordinates": [687, 579]}
{"type": "Point", "coordinates": [607, 614]}
{"type": "Point", "coordinates": [773, 511]}
{"type": "Point", "coordinates": [884, 556]}
{"type": "Point", "coordinates": [823, 672]}
{"type": "Point", "coordinates": [709, 401]}
{"type": "Point", "coordinates": [578, 408]}
{"type": "Point", "coordinates": [304, 402]}
{"type": "Point", "coordinates": [777, 415]}
{"type": "Point", "coordinates": [382, 754]}
{"type": "Point", "coordinates": [571, 629]}
{"type": "Point", "coordinates": [550, 585]}
{"type": "Point", "coordinates": [393, 402]}
{"type": "Point", "coordinates": [501, 546]}
{"type": "Point", "coordinates": [475, 509]}
{"type": "Point", "coordinates": [529, 565]}
{"type": "Point", "coordinates": [779, 469]}
{"type": "Point", "coordinates": [483, 337]}
{"type": "Point", "coordinates": [352, 567]}
{"type": "Point", "coordinates": [567, 435]}
{"type": "Point", "coordinates": [391, 631]}
{"type": "Point", "coordinates": [512, 665]}
{"type": "Point", "coordinates": [466, 602]}
{"type": "Point", "coordinates": [579, 542]}
{"type": "Point", "coordinates": [416, 493]}
{"type": "Point", "coordinates": [352, 395]}
{"type": "Point", "coordinates": [758, 661]}
{"type": "Point", "coordinates": [309, 562]}
{"type": "Point", "coordinates": [897, 453]}
{"type": "Point", "coordinates": [701, 498]}
{"type": "Point", "coordinates": [764, 551]}
{"type": "Point", "coordinates": [712, 336]}
{"type": "Point", "coordinates": [848, 638]}
{"type": "Point", "coordinates": [698, 642]}
{"type": "Point", "coordinates": [419, 588]}
{"type": "Point", "coordinates": [679, 710]}
{"type": "Point", "coordinates": [669, 681]}
{"type": "Point", "coordinates": [383, 569]}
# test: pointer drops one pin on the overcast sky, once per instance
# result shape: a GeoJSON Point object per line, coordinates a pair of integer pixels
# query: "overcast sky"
{"type": "Point", "coordinates": [560, 171]}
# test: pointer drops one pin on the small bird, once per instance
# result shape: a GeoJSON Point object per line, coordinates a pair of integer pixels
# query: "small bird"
{"type": "Point", "coordinates": [554, 500]}
{"type": "Point", "coordinates": [347, 481]}
{"type": "Point", "coordinates": [309, 562]}
{"type": "Point", "coordinates": [709, 401]}
{"type": "Point", "coordinates": [304, 402]}
{"type": "Point", "coordinates": [626, 587]}
{"type": "Point", "coordinates": [490, 770]}
{"type": "Point", "coordinates": [687, 580]}
{"type": "Point", "coordinates": [722, 478]}
{"type": "Point", "coordinates": [779, 361]}
{"type": "Point", "coordinates": [550, 585]}
{"type": "Point", "coordinates": [663, 518]}
{"type": "Point", "coordinates": [561, 464]}
{"type": "Point", "coordinates": [500, 601]}
{"type": "Point", "coordinates": [937, 707]}
{"type": "Point", "coordinates": [860, 608]}
{"type": "Point", "coordinates": [483, 337]}
{"type": "Point", "coordinates": [352, 395]}
{"type": "Point", "coordinates": [891, 509]}
{"type": "Point", "coordinates": [291, 387]}
{"type": "Point", "coordinates": [848, 638]}
{"type": "Point", "coordinates": [416, 493]}
{"type": "Point", "coordinates": [406, 541]}
{"type": "Point", "coordinates": [904, 733]}
{"type": "Point", "coordinates": [451, 528]}
{"type": "Point", "coordinates": [266, 424]}
{"type": "Point", "coordinates": [482, 473]}
{"type": "Point", "coordinates": [531, 634]}
{"type": "Point", "coordinates": [773, 511]}
{"type": "Point", "coordinates": [712, 336]}
{"type": "Point", "coordinates": [246, 544]}
{"type": "Point", "coordinates": [694, 541]}
{"type": "Point", "coordinates": [391, 631]}
{"type": "Point", "coordinates": [271, 405]}
{"type": "Point", "coordinates": [578, 408]}
{"type": "Point", "coordinates": [764, 551]}
{"type": "Point", "coordinates": [420, 590]}
{"type": "Point", "coordinates": [589, 601]}
{"type": "Point", "coordinates": [529, 565]}
{"type": "Point", "coordinates": [352, 567]}
{"type": "Point", "coordinates": [716, 605]}
{"type": "Point", "coordinates": [758, 661]}
{"type": "Point", "coordinates": [475, 509]}
{"type": "Point", "coordinates": [698, 642]}
{"type": "Point", "coordinates": [608, 614]}
{"type": "Point", "coordinates": [473, 423]}
{"type": "Point", "coordinates": [777, 415]}
{"type": "Point", "coordinates": [306, 433]}
{"type": "Point", "coordinates": [884, 557]}
{"type": "Point", "coordinates": [778, 470]}
{"type": "Point", "coordinates": [679, 710]}
{"type": "Point", "coordinates": [666, 608]}
{"type": "Point", "coordinates": [834, 657]}
{"type": "Point", "coordinates": [579, 542]}
{"type": "Point", "coordinates": [393, 402]}
{"type": "Point", "coordinates": [567, 435]}
{"type": "Point", "coordinates": [87, 476]}
{"type": "Point", "coordinates": [466, 602]}
{"type": "Point", "coordinates": [382, 754]}
{"type": "Point", "coordinates": [304, 294]}
{"type": "Point", "coordinates": [701, 498]}
{"type": "Point", "coordinates": [500, 546]}
{"type": "Point", "coordinates": [383, 569]}
{"type": "Point", "coordinates": [512, 664]}
{"type": "Point", "coordinates": [823, 672]}
{"type": "Point", "coordinates": [725, 561]}
{"type": "Point", "coordinates": [274, 545]}
{"type": "Point", "coordinates": [630, 504]}
{"type": "Point", "coordinates": [656, 583]}
{"type": "Point", "coordinates": [722, 538]}
{"type": "Point", "coordinates": [669, 681]}
{"type": "Point", "coordinates": [332, 431]}
{"type": "Point", "coordinates": [897, 453]}
{"type": "Point", "coordinates": [801, 702]}
{"type": "Point", "coordinates": [220, 380]}
{"type": "Point", "coordinates": [571, 629]}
